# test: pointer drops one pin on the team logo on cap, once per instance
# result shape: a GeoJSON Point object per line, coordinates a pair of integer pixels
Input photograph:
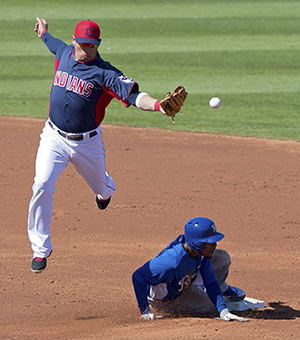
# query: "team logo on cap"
{"type": "Point", "coordinates": [214, 229]}
{"type": "Point", "coordinates": [89, 31]}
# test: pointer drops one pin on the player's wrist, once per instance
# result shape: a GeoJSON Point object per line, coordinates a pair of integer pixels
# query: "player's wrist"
{"type": "Point", "coordinates": [224, 312]}
{"type": "Point", "coordinates": [157, 105]}
{"type": "Point", "coordinates": [144, 309]}
{"type": "Point", "coordinates": [41, 34]}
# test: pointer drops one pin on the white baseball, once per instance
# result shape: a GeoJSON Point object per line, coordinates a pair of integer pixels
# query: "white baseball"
{"type": "Point", "coordinates": [215, 102]}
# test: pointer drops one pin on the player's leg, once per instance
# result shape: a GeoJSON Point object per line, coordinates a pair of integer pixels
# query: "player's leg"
{"type": "Point", "coordinates": [194, 300]}
{"type": "Point", "coordinates": [221, 262]}
{"type": "Point", "coordinates": [50, 161]}
{"type": "Point", "coordinates": [90, 163]}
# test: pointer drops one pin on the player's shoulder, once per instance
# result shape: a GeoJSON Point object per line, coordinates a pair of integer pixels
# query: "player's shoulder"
{"type": "Point", "coordinates": [105, 65]}
{"type": "Point", "coordinates": [64, 49]}
{"type": "Point", "coordinates": [173, 253]}
{"type": "Point", "coordinates": [205, 263]}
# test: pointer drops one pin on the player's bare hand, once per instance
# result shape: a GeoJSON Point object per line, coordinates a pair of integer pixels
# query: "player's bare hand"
{"type": "Point", "coordinates": [150, 316]}
{"type": "Point", "coordinates": [40, 26]}
{"type": "Point", "coordinates": [162, 111]}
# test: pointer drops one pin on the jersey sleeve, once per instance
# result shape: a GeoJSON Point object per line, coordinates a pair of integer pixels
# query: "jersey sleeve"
{"type": "Point", "coordinates": [141, 279]}
{"type": "Point", "coordinates": [133, 96]}
{"type": "Point", "coordinates": [214, 292]}
{"type": "Point", "coordinates": [152, 273]}
{"type": "Point", "coordinates": [116, 84]}
{"type": "Point", "coordinates": [53, 44]}
{"type": "Point", "coordinates": [212, 285]}
{"type": "Point", "coordinates": [207, 272]}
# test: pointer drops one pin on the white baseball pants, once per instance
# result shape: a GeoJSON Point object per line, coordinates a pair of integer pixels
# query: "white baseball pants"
{"type": "Point", "coordinates": [53, 155]}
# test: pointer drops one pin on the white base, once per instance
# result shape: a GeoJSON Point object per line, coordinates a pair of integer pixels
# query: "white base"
{"type": "Point", "coordinates": [245, 304]}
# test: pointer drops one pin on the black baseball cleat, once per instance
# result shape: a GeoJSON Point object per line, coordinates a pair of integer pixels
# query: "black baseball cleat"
{"type": "Point", "coordinates": [38, 264]}
{"type": "Point", "coordinates": [234, 294]}
{"type": "Point", "coordinates": [102, 204]}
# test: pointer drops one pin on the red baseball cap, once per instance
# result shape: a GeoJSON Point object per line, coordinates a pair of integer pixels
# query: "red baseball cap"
{"type": "Point", "coordinates": [87, 31]}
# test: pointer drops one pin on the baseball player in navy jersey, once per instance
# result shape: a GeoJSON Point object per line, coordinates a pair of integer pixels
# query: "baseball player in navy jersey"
{"type": "Point", "coordinates": [188, 276]}
{"type": "Point", "coordinates": [83, 86]}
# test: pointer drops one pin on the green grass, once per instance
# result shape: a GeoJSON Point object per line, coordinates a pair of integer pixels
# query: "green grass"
{"type": "Point", "coordinates": [245, 52]}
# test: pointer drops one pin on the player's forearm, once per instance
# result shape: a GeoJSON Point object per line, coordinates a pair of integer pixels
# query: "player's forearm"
{"type": "Point", "coordinates": [141, 292]}
{"type": "Point", "coordinates": [147, 103]}
{"type": "Point", "coordinates": [215, 294]}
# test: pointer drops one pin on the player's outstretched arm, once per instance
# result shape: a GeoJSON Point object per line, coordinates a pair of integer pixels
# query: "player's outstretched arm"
{"type": "Point", "coordinates": [40, 26]}
{"type": "Point", "coordinates": [169, 106]}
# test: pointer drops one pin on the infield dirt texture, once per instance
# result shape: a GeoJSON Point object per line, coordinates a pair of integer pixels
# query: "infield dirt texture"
{"type": "Point", "coordinates": [249, 187]}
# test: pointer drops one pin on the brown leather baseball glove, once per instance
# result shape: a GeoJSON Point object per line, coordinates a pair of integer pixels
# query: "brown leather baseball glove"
{"type": "Point", "coordinates": [173, 101]}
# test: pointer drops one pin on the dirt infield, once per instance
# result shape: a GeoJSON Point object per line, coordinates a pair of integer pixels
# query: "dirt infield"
{"type": "Point", "coordinates": [249, 187]}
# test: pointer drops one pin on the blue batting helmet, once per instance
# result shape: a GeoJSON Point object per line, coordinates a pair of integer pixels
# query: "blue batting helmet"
{"type": "Point", "coordinates": [199, 230]}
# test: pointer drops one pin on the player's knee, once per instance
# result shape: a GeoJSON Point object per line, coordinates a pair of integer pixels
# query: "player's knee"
{"type": "Point", "coordinates": [226, 259]}
{"type": "Point", "coordinates": [42, 186]}
{"type": "Point", "coordinates": [220, 259]}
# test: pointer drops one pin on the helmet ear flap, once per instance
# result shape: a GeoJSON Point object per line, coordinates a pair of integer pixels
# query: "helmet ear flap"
{"type": "Point", "coordinates": [200, 246]}
{"type": "Point", "coordinates": [203, 246]}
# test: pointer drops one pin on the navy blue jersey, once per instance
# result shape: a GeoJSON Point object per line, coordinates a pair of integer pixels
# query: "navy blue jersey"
{"type": "Point", "coordinates": [177, 270]}
{"type": "Point", "coordinates": [81, 91]}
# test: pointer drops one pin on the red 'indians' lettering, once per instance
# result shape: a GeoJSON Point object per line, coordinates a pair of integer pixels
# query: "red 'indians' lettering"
{"type": "Point", "coordinates": [74, 84]}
